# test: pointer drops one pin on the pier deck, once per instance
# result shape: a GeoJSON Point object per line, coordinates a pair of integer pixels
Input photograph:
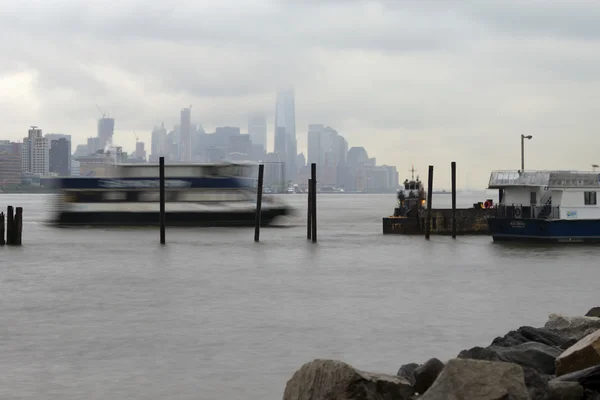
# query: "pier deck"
{"type": "Point", "coordinates": [469, 221]}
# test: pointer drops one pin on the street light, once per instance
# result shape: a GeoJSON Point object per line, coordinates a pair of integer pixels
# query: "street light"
{"type": "Point", "coordinates": [523, 137]}
{"type": "Point", "coordinates": [594, 166]}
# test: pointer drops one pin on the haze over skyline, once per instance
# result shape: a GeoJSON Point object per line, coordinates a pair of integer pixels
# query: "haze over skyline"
{"type": "Point", "coordinates": [414, 83]}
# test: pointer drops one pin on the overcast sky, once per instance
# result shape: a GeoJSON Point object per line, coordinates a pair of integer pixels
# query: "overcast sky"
{"type": "Point", "coordinates": [423, 82]}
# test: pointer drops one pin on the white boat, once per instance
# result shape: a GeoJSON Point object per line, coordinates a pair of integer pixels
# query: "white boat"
{"type": "Point", "coordinates": [195, 195]}
{"type": "Point", "coordinates": [559, 206]}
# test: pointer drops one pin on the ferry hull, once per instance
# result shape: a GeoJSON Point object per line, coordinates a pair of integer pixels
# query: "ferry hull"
{"type": "Point", "coordinates": [539, 230]}
{"type": "Point", "coordinates": [172, 219]}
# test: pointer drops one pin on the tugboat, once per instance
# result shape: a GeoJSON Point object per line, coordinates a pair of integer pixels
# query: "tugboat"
{"type": "Point", "coordinates": [411, 200]}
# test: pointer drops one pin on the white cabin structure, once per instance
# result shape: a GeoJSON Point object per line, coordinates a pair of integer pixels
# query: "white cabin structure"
{"type": "Point", "coordinates": [547, 194]}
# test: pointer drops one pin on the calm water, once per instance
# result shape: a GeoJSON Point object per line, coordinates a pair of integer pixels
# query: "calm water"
{"type": "Point", "coordinates": [110, 314]}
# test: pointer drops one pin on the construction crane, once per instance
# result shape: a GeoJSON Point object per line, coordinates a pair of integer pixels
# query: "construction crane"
{"type": "Point", "coordinates": [104, 115]}
{"type": "Point", "coordinates": [137, 139]}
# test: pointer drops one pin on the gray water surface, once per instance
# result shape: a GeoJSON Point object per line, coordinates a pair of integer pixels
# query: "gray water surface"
{"type": "Point", "coordinates": [110, 314]}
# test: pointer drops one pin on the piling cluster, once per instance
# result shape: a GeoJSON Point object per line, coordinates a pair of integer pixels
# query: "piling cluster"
{"type": "Point", "coordinates": [558, 361]}
{"type": "Point", "coordinates": [11, 233]}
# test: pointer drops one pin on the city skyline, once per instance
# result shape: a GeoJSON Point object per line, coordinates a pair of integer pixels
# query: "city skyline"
{"type": "Point", "coordinates": [418, 84]}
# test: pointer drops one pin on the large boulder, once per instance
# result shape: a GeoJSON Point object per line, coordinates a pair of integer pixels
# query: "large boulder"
{"type": "Point", "coordinates": [426, 374]}
{"type": "Point", "coordinates": [583, 354]}
{"type": "Point", "coordinates": [478, 380]}
{"type": "Point", "coordinates": [558, 390]}
{"type": "Point", "coordinates": [530, 334]}
{"type": "Point", "coordinates": [407, 371]}
{"type": "Point", "coordinates": [537, 356]}
{"type": "Point", "coordinates": [589, 378]}
{"type": "Point", "coordinates": [594, 312]}
{"type": "Point", "coordinates": [572, 327]}
{"type": "Point", "coordinates": [336, 380]}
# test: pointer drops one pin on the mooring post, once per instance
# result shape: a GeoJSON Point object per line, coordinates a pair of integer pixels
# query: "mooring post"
{"type": "Point", "coordinates": [18, 231]}
{"type": "Point", "coordinates": [259, 190]}
{"type": "Point", "coordinates": [453, 165]}
{"type": "Point", "coordinates": [308, 211]}
{"type": "Point", "coordinates": [313, 203]}
{"type": "Point", "coordinates": [161, 171]}
{"type": "Point", "coordinates": [2, 242]}
{"type": "Point", "coordinates": [9, 224]}
{"type": "Point", "coordinates": [429, 196]}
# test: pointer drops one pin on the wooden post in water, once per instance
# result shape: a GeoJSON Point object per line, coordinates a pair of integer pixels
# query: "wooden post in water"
{"type": "Point", "coordinates": [259, 190]}
{"type": "Point", "coordinates": [161, 171]}
{"type": "Point", "coordinates": [429, 196]}
{"type": "Point", "coordinates": [2, 242]}
{"type": "Point", "coordinates": [308, 211]}
{"type": "Point", "coordinates": [313, 203]}
{"type": "Point", "coordinates": [18, 229]}
{"type": "Point", "coordinates": [453, 165]}
{"type": "Point", "coordinates": [9, 224]}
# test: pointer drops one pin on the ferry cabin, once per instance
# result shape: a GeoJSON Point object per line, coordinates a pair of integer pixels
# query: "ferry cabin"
{"type": "Point", "coordinates": [542, 199]}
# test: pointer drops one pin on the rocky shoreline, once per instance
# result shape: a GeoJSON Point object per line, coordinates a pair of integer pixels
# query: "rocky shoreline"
{"type": "Point", "coordinates": [560, 361]}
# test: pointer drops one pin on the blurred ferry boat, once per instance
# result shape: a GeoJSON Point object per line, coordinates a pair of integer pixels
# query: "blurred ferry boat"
{"type": "Point", "coordinates": [195, 195]}
{"type": "Point", "coordinates": [555, 206]}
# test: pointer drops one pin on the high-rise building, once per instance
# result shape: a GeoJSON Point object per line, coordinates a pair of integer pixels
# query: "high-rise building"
{"type": "Point", "coordinates": [185, 135]}
{"type": "Point", "coordinates": [10, 163]}
{"type": "Point", "coordinates": [60, 157]}
{"type": "Point", "coordinates": [35, 153]}
{"type": "Point", "coordinates": [285, 118]}
{"type": "Point", "coordinates": [158, 146]}
{"type": "Point", "coordinates": [140, 151]}
{"type": "Point", "coordinates": [106, 129]}
{"type": "Point", "coordinates": [257, 129]}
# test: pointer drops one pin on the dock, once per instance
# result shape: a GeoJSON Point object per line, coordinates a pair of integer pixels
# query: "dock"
{"type": "Point", "coordinates": [469, 221]}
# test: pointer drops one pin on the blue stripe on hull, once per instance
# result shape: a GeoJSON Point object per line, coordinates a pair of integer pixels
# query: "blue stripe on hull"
{"type": "Point", "coordinates": [512, 229]}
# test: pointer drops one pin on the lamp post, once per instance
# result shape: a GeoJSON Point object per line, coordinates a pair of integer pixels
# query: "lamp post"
{"type": "Point", "coordinates": [523, 137]}
{"type": "Point", "coordinates": [594, 166]}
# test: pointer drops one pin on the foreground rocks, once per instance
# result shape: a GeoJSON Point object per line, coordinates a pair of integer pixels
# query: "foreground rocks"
{"type": "Point", "coordinates": [560, 361]}
{"type": "Point", "coordinates": [335, 380]}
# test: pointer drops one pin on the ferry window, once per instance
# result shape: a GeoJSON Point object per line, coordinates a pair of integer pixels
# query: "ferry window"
{"type": "Point", "coordinates": [589, 198]}
{"type": "Point", "coordinates": [533, 198]}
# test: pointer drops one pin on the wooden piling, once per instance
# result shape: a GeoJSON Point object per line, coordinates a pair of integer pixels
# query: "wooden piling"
{"type": "Point", "coordinates": [161, 171]}
{"type": "Point", "coordinates": [18, 228]}
{"type": "Point", "coordinates": [259, 190]}
{"type": "Point", "coordinates": [308, 211]}
{"type": "Point", "coordinates": [453, 165]}
{"type": "Point", "coordinates": [313, 203]}
{"type": "Point", "coordinates": [9, 225]}
{"type": "Point", "coordinates": [429, 198]}
{"type": "Point", "coordinates": [2, 242]}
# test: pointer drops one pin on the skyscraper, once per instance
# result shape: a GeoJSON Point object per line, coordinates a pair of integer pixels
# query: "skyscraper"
{"type": "Point", "coordinates": [35, 153]}
{"type": "Point", "coordinates": [60, 153]}
{"type": "Point", "coordinates": [257, 129]}
{"type": "Point", "coordinates": [285, 118]}
{"type": "Point", "coordinates": [185, 135]}
{"type": "Point", "coordinates": [106, 129]}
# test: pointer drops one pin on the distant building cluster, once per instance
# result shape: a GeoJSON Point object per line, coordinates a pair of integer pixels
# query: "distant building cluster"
{"type": "Point", "coordinates": [339, 168]}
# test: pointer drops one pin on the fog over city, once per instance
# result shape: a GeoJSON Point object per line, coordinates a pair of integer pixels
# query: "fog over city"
{"type": "Point", "coordinates": [413, 82]}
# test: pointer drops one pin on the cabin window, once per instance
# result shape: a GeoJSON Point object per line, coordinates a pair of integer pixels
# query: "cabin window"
{"type": "Point", "coordinates": [533, 198]}
{"type": "Point", "coordinates": [589, 198]}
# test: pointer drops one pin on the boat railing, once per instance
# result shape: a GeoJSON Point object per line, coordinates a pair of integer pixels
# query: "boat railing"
{"type": "Point", "coordinates": [527, 211]}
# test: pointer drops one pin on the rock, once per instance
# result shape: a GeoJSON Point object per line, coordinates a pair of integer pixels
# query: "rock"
{"type": "Point", "coordinates": [591, 395]}
{"type": "Point", "coordinates": [426, 374]}
{"type": "Point", "coordinates": [534, 355]}
{"type": "Point", "coordinates": [407, 372]}
{"type": "Point", "coordinates": [589, 378]}
{"type": "Point", "coordinates": [594, 312]}
{"type": "Point", "coordinates": [572, 327]}
{"type": "Point", "coordinates": [537, 385]}
{"type": "Point", "coordinates": [559, 390]}
{"type": "Point", "coordinates": [583, 354]}
{"type": "Point", "coordinates": [336, 380]}
{"type": "Point", "coordinates": [530, 334]}
{"type": "Point", "coordinates": [478, 380]}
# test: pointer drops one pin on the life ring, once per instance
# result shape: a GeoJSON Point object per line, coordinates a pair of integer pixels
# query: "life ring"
{"type": "Point", "coordinates": [517, 212]}
{"type": "Point", "coordinates": [487, 204]}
